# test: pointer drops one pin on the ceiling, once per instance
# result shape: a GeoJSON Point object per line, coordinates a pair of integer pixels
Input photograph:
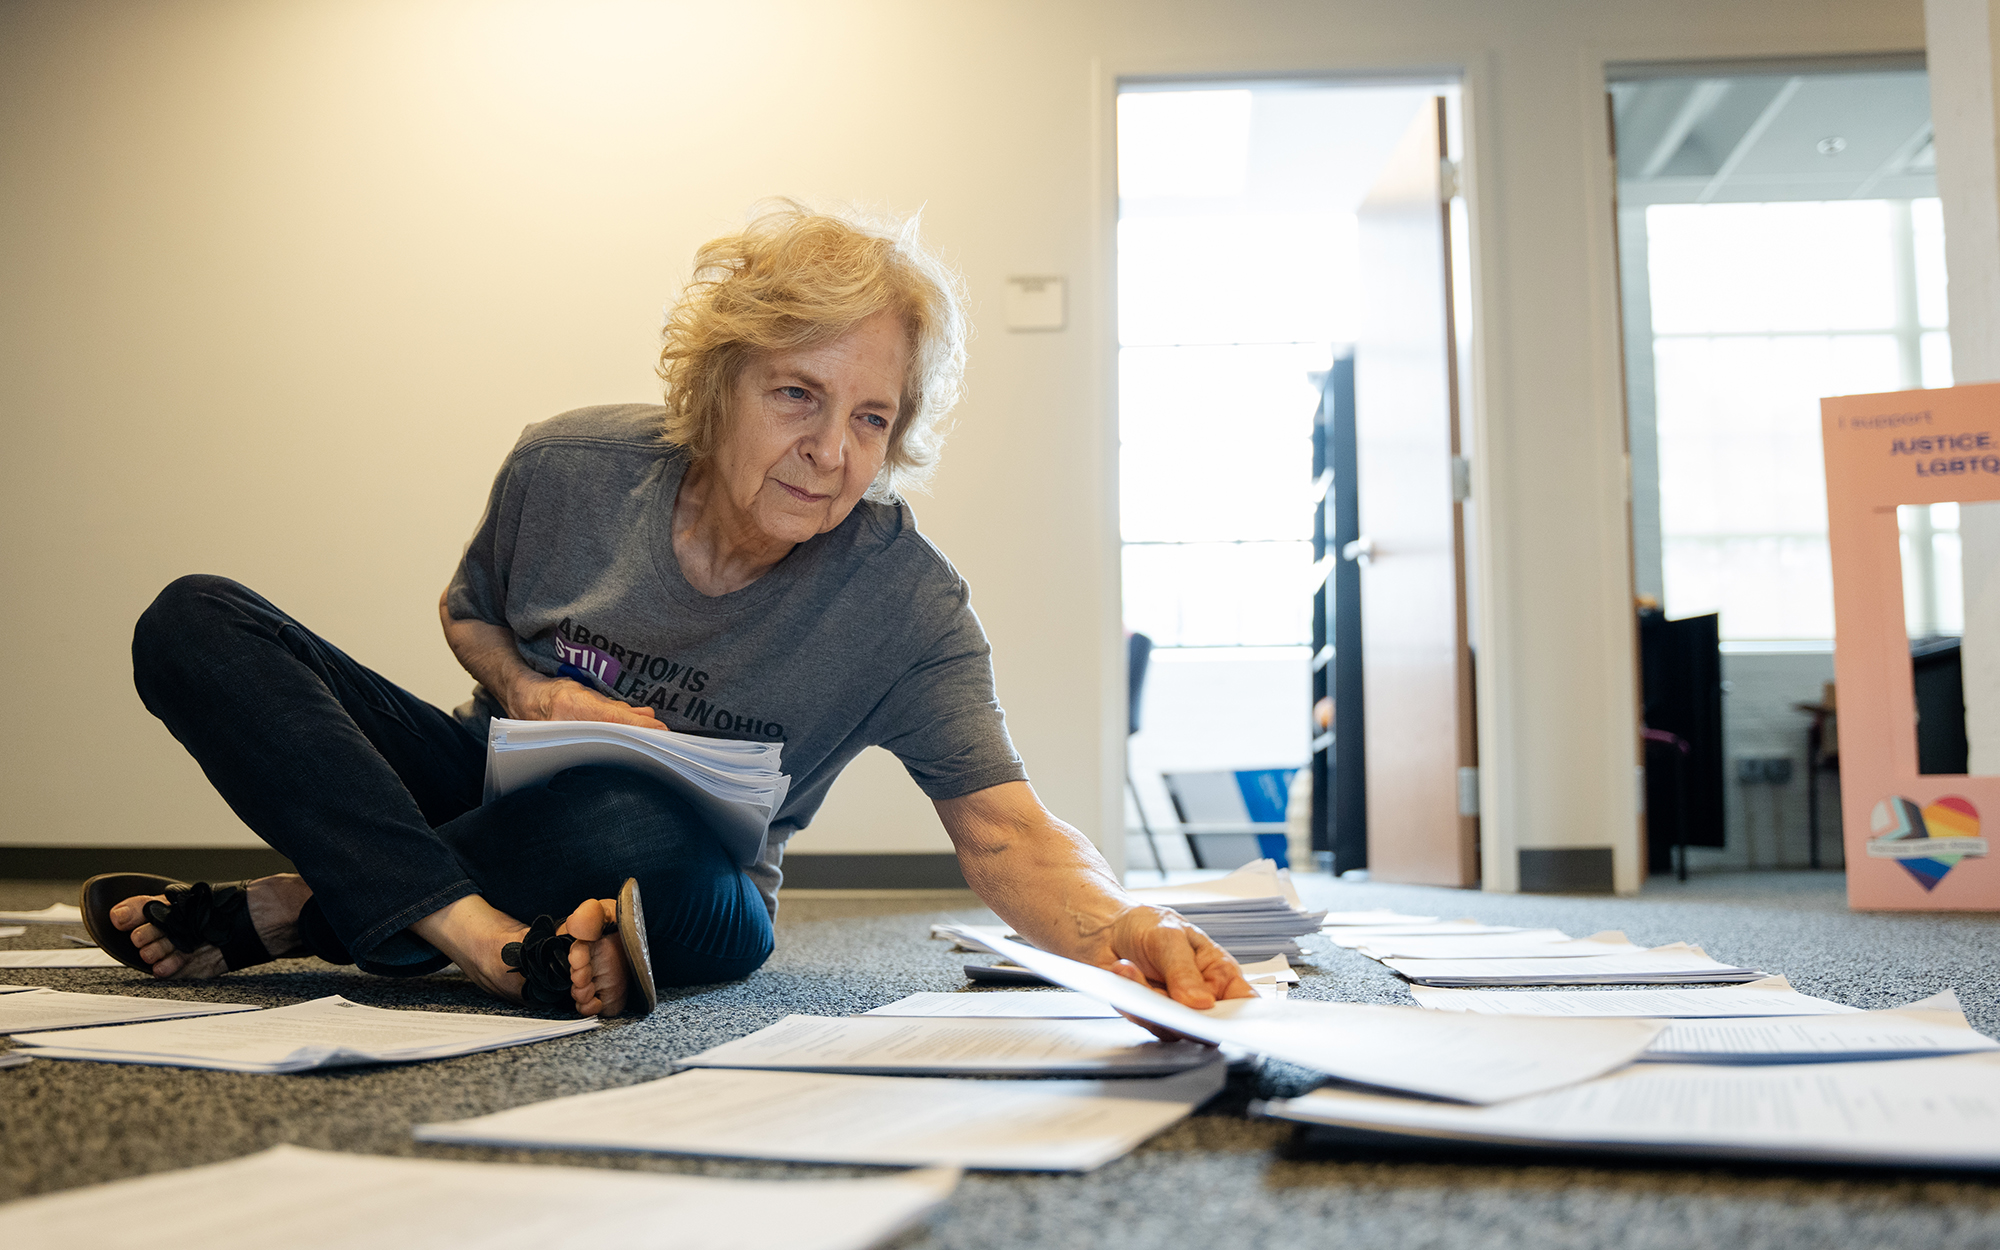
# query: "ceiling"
{"type": "Point", "coordinates": [1774, 136]}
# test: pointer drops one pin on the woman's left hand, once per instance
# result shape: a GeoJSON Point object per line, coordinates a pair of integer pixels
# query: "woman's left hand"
{"type": "Point", "coordinates": [1157, 948]}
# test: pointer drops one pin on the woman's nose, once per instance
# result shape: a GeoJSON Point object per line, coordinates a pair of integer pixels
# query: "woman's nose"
{"type": "Point", "coordinates": [825, 443]}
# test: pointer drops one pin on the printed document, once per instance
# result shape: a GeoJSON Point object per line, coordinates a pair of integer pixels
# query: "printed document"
{"type": "Point", "coordinates": [1359, 936]}
{"type": "Point", "coordinates": [1675, 964]}
{"type": "Point", "coordinates": [53, 1009]}
{"type": "Point", "coordinates": [1000, 1005]}
{"type": "Point", "coordinates": [327, 1032]}
{"type": "Point", "coordinates": [54, 913]}
{"type": "Point", "coordinates": [1482, 1059]}
{"type": "Point", "coordinates": [1532, 944]}
{"type": "Point", "coordinates": [912, 1046]}
{"type": "Point", "coordinates": [1379, 918]}
{"type": "Point", "coordinates": [1943, 1112]}
{"type": "Point", "coordinates": [1771, 996]}
{"type": "Point", "coordinates": [68, 957]}
{"type": "Point", "coordinates": [1044, 1126]}
{"type": "Point", "coordinates": [1934, 1026]}
{"type": "Point", "coordinates": [291, 1196]}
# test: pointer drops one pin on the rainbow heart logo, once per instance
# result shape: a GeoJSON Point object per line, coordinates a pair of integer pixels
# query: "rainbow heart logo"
{"type": "Point", "coordinates": [1927, 841]}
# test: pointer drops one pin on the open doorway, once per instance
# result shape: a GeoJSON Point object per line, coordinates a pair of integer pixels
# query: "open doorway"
{"type": "Point", "coordinates": [1780, 241]}
{"type": "Point", "coordinates": [1239, 282]}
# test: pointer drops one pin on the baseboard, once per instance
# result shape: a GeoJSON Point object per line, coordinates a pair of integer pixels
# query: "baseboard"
{"type": "Point", "coordinates": [887, 871]}
{"type": "Point", "coordinates": [1567, 870]}
{"type": "Point", "coordinates": [937, 871]}
{"type": "Point", "coordinates": [184, 863]}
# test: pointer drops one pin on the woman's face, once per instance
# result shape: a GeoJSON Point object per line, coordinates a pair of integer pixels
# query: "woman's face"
{"type": "Point", "coordinates": [811, 428]}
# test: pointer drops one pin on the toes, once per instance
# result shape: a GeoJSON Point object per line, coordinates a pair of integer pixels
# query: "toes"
{"type": "Point", "coordinates": [608, 975]}
{"type": "Point", "coordinates": [590, 919]}
{"type": "Point", "coordinates": [128, 914]}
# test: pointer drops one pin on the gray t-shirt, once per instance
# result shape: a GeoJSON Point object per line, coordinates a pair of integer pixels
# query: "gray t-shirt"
{"type": "Point", "coordinates": [862, 636]}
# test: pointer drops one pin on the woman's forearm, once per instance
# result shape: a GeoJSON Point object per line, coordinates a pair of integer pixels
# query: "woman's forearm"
{"type": "Point", "coordinates": [1041, 875]}
{"type": "Point", "coordinates": [489, 652]}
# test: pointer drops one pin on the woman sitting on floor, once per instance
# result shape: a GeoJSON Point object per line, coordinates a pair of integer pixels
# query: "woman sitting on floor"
{"type": "Point", "coordinates": [738, 563]}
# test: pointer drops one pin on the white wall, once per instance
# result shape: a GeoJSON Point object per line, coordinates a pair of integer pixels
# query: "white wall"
{"type": "Point", "coordinates": [284, 280]}
{"type": "Point", "coordinates": [1965, 107]}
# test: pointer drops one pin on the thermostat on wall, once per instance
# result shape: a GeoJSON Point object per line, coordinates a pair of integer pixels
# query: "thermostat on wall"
{"type": "Point", "coordinates": [1035, 302]}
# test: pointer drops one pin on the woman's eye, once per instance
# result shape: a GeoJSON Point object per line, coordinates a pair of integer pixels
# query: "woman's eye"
{"type": "Point", "coordinates": [876, 419]}
{"type": "Point", "coordinates": [793, 392]}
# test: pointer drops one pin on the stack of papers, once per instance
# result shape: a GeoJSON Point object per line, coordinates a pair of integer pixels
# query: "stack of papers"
{"type": "Point", "coordinates": [1934, 1026]}
{"type": "Point", "coordinates": [1771, 996]}
{"type": "Point", "coordinates": [52, 1009]}
{"type": "Point", "coordinates": [328, 1032]}
{"type": "Point", "coordinates": [1052, 1126]}
{"type": "Point", "coordinates": [1677, 964]}
{"type": "Point", "coordinates": [1485, 1059]}
{"type": "Point", "coordinates": [955, 1046]}
{"type": "Point", "coordinates": [54, 913]}
{"type": "Point", "coordinates": [735, 785]}
{"type": "Point", "coordinates": [1253, 913]}
{"type": "Point", "coordinates": [11, 930]}
{"type": "Point", "coordinates": [67, 957]}
{"type": "Point", "coordinates": [290, 1196]}
{"type": "Point", "coordinates": [1935, 1112]}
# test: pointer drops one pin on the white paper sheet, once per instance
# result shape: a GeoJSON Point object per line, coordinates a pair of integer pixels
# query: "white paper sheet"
{"type": "Point", "coordinates": [1376, 919]}
{"type": "Point", "coordinates": [1360, 935]}
{"type": "Point", "coordinates": [1934, 1026]}
{"type": "Point", "coordinates": [1771, 996]}
{"type": "Point", "coordinates": [1943, 1112]}
{"type": "Point", "coordinates": [12, 930]}
{"type": "Point", "coordinates": [17, 989]}
{"type": "Point", "coordinates": [1484, 1059]}
{"type": "Point", "coordinates": [327, 1032]}
{"type": "Point", "coordinates": [290, 1196]}
{"type": "Point", "coordinates": [1277, 968]}
{"type": "Point", "coordinates": [54, 913]}
{"type": "Point", "coordinates": [907, 1046]}
{"type": "Point", "coordinates": [53, 1009]}
{"type": "Point", "coordinates": [1054, 1126]}
{"type": "Point", "coordinates": [13, 1059]}
{"type": "Point", "coordinates": [1674, 964]}
{"type": "Point", "coordinates": [1000, 1005]}
{"type": "Point", "coordinates": [1534, 944]}
{"type": "Point", "coordinates": [69, 957]}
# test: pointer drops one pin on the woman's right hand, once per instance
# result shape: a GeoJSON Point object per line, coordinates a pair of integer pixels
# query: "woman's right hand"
{"type": "Point", "coordinates": [536, 697]}
{"type": "Point", "coordinates": [491, 654]}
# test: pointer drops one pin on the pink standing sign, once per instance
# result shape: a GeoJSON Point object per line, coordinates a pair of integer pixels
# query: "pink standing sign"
{"type": "Point", "coordinates": [1914, 840]}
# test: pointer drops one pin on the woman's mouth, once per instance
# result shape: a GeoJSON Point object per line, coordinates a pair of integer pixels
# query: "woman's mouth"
{"type": "Point", "coordinates": [803, 496]}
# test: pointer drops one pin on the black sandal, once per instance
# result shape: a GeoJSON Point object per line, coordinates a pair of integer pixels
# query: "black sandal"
{"type": "Point", "coordinates": [193, 916]}
{"type": "Point", "coordinates": [542, 957]}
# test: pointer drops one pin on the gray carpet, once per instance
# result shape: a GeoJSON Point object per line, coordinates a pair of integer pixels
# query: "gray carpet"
{"type": "Point", "coordinates": [1219, 1179]}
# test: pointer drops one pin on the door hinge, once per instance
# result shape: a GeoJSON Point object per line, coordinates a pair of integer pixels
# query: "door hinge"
{"type": "Point", "coordinates": [1468, 791]}
{"type": "Point", "coordinates": [1448, 187]}
{"type": "Point", "coordinates": [1461, 479]}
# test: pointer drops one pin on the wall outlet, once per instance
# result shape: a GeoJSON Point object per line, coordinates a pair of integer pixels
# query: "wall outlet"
{"type": "Point", "coordinates": [1764, 770]}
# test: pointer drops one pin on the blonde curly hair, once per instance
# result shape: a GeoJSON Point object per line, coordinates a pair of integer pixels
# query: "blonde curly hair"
{"type": "Point", "coordinates": [795, 277]}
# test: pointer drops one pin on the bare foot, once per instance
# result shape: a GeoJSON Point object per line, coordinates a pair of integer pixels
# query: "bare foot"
{"type": "Point", "coordinates": [275, 903]}
{"type": "Point", "coordinates": [472, 932]}
{"type": "Point", "coordinates": [598, 977]}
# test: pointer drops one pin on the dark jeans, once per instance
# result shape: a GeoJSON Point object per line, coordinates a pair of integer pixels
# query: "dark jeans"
{"type": "Point", "coordinates": [375, 796]}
